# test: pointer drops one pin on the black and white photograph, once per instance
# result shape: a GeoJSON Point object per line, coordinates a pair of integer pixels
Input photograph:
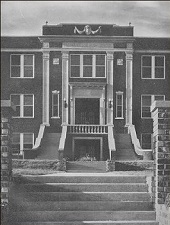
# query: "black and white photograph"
{"type": "Point", "coordinates": [85, 112]}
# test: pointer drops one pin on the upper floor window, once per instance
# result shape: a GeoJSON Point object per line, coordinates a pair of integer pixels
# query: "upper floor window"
{"type": "Point", "coordinates": [153, 67]}
{"type": "Point", "coordinates": [88, 66]}
{"type": "Point", "coordinates": [55, 104]}
{"type": "Point", "coordinates": [22, 66]}
{"type": "Point", "coordinates": [22, 141]}
{"type": "Point", "coordinates": [146, 102]}
{"type": "Point", "coordinates": [24, 105]}
{"type": "Point", "coordinates": [119, 105]}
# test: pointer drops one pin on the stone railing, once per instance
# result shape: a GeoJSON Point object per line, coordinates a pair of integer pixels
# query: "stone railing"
{"type": "Point", "coordinates": [161, 138]}
{"type": "Point", "coordinates": [145, 153]}
{"type": "Point", "coordinates": [62, 142]}
{"type": "Point", "coordinates": [87, 129]}
{"type": "Point", "coordinates": [111, 143]}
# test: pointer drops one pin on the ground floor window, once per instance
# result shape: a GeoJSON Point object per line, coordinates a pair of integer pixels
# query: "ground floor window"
{"type": "Point", "coordinates": [146, 139]}
{"type": "Point", "coordinates": [119, 104]}
{"type": "Point", "coordinates": [21, 141]}
{"type": "Point", "coordinates": [55, 104]}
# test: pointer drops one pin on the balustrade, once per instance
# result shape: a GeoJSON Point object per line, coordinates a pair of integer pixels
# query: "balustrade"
{"type": "Point", "coordinates": [88, 129]}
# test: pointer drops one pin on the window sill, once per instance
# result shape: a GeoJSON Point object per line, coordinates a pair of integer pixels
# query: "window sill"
{"type": "Point", "coordinates": [146, 118]}
{"type": "Point", "coordinates": [153, 78]}
{"type": "Point", "coordinates": [22, 77]}
{"type": "Point", "coordinates": [18, 117]}
{"type": "Point", "coordinates": [119, 118]}
{"type": "Point", "coordinates": [53, 117]}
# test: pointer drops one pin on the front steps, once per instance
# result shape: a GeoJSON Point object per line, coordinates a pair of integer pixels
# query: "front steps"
{"type": "Point", "coordinates": [49, 146]}
{"type": "Point", "coordinates": [124, 148]}
{"type": "Point", "coordinates": [75, 199]}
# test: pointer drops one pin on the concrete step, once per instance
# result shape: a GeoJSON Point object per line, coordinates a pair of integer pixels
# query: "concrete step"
{"type": "Point", "coordinates": [90, 223]}
{"type": "Point", "coordinates": [84, 178]}
{"type": "Point", "coordinates": [81, 187]}
{"type": "Point", "coordinates": [95, 166]}
{"type": "Point", "coordinates": [84, 196]}
{"type": "Point", "coordinates": [82, 206]}
{"type": "Point", "coordinates": [82, 216]}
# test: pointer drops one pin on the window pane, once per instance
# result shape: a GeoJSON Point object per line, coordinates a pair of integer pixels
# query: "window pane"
{"type": "Point", "coordinates": [55, 111]}
{"type": "Point", "coordinates": [119, 99]}
{"type": "Point", "coordinates": [27, 138]}
{"type": "Point", "coordinates": [146, 61]}
{"type": "Point", "coordinates": [146, 72]}
{"type": "Point", "coordinates": [15, 59]}
{"type": "Point", "coordinates": [28, 60]}
{"type": "Point", "coordinates": [159, 72]}
{"type": "Point", "coordinates": [159, 97]}
{"type": "Point", "coordinates": [146, 100]}
{"type": "Point", "coordinates": [87, 60]}
{"type": "Point", "coordinates": [17, 112]}
{"type": "Point", "coordinates": [159, 61]}
{"type": "Point", "coordinates": [146, 112]}
{"type": "Point", "coordinates": [15, 99]}
{"type": "Point", "coordinates": [15, 71]}
{"type": "Point", "coordinates": [119, 111]}
{"type": "Point", "coordinates": [28, 71]}
{"type": "Point", "coordinates": [75, 71]}
{"type": "Point", "coordinates": [15, 148]}
{"type": "Point", "coordinates": [87, 71]}
{"type": "Point", "coordinates": [55, 99]}
{"type": "Point", "coordinates": [75, 60]}
{"type": "Point", "coordinates": [28, 111]}
{"type": "Point", "coordinates": [100, 71]}
{"type": "Point", "coordinates": [28, 100]}
{"type": "Point", "coordinates": [100, 59]}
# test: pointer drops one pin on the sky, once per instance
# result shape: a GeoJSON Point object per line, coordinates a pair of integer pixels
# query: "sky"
{"type": "Point", "coordinates": [25, 18]}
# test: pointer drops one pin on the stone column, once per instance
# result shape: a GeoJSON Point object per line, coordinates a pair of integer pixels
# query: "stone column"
{"type": "Point", "coordinates": [129, 58]}
{"type": "Point", "coordinates": [65, 64]}
{"type": "Point", "coordinates": [46, 88]}
{"type": "Point", "coordinates": [110, 87]}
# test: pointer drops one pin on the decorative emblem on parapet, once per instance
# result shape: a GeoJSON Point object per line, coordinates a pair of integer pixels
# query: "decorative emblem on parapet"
{"type": "Point", "coordinates": [87, 30]}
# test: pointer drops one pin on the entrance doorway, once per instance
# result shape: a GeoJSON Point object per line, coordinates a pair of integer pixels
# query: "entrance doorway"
{"type": "Point", "coordinates": [87, 149]}
{"type": "Point", "coordinates": [87, 110]}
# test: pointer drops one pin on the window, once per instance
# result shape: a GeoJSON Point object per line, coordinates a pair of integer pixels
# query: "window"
{"type": "Point", "coordinates": [146, 140]}
{"type": "Point", "coordinates": [22, 66]}
{"type": "Point", "coordinates": [119, 104]}
{"type": "Point", "coordinates": [55, 104]}
{"type": "Point", "coordinates": [22, 141]}
{"type": "Point", "coordinates": [24, 105]}
{"type": "Point", "coordinates": [146, 102]}
{"type": "Point", "coordinates": [88, 66]}
{"type": "Point", "coordinates": [153, 67]}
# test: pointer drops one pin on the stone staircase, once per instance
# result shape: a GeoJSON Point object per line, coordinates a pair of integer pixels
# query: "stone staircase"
{"type": "Point", "coordinates": [49, 146]}
{"type": "Point", "coordinates": [124, 148]}
{"type": "Point", "coordinates": [78, 199]}
{"type": "Point", "coordinates": [86, 166]}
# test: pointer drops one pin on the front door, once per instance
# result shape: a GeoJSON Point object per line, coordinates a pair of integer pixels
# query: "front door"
{"type": "Point", "coordinates": [87, 111]}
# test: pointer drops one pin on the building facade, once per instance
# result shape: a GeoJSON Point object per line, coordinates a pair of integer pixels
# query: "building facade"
{"type": "Point", "coordinates": [77, 86]}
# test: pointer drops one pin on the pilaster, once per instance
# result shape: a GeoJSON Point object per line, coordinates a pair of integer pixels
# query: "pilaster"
{"type": "Point", "coordinates": [65, 64]}
{"type": "Point", "coordinates": [110, 58]}
{"type": "Point", "coordinates": [129, 87]}
{"type": "Point", "coordinates": [45, 88]}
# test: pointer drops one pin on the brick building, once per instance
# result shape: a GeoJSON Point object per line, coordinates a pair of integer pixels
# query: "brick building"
{"type": "Point", "coordinates": [81, 89]}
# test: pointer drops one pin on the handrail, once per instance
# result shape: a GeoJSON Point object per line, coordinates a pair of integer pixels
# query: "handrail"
{"type": "Point", "coordinates": [111, 141]}
{"type": "Point", "coordinates": [39, 138]}
{"type": "Point", "coordinates": [63, 138]}
{"type": "Point", "coordinates": [135, 141]}
{"type": "Point", "coordinates": [87, 129]}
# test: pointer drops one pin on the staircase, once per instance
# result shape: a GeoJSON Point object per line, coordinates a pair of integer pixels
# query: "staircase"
{"type": "Point", "coordinates": [78, 199]}
{"type": "Point", "coordinates": [86, 166]}
{"type": "Point", "coordinates": [124, 148]}
{"type": "Point", "coordinates": [49, 146]}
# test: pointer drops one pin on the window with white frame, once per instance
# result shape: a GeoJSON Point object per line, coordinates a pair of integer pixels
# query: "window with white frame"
{"type": "Point", "coordinates": [119, 104]}
{"type": "Point", "coordinates": [88, 65]}
{"type": "Point", "coordinates": [153, 67]}
{"type": "Point", "coordinates": [146, 140]}
{"type": "Point", "coordinates": [22, 66]}
{"type": "Point", "coordinates": [146, 102]}
{"type": "Point", "coordinates": [22, 141]}
{"type": "Point", "coordinates": [55, 104]}
{"type": "Point", "coordinates": [24, 105]}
